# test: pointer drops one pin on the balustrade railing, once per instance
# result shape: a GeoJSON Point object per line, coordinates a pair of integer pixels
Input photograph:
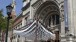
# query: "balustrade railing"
{"type": "Point", "coordinates": [42, 33]}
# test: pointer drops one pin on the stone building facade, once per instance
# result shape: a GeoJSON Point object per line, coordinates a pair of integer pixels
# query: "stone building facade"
{"type": "Point", "coordinates": [49, 12]}
{"type": "Point", "coordinates": [57, 15]}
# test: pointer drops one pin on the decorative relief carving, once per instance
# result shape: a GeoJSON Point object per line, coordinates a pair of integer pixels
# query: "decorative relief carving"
{"type": "Point", "coordinates": [47, 10]}
{"type": "Point", "coordinates": [62, 13]}
{"type": "Point", "coordinates": [37, 4]}
{"type": "Point", "coordinates": [62, 18]}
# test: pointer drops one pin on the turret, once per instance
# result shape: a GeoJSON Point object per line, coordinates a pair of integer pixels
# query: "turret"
{"type": "Point", "coordinates": [13, 10]}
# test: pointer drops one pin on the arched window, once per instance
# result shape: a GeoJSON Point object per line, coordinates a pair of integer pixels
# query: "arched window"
{"type": "Point", "coordinates": [54, 20]}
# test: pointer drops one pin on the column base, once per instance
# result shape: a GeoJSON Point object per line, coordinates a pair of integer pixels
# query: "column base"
{"type": "Point", "coordinates": [70, 38]}
{"type": "Point", "coordinates": [63, 38]}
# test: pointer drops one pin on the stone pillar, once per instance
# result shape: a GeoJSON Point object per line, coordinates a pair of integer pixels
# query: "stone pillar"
{"type": "Point", "coordinates": [74, 20]}
{"type": "Point", "coordinates": [70, 17]}
{"type": "Point", "coordinates": [30, 11]}
{"type": "Point", "coordinates": [71, 21]}
{"type": "Point", "coordinates": [23, 21]}
{"type": "Point", "coordinates": [69, 38]}
{"type": "Point", "coordinates": [17, 38]}
{"type": "Point", "coordinates": [62, 28]}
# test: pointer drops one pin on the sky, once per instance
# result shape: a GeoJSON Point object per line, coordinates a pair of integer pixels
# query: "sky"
{"type": "Point", "coordinates": [4, 3]}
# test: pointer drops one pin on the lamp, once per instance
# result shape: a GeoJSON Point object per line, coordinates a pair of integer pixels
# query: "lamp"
{"type": "Point", "coordinates": [9, 10]}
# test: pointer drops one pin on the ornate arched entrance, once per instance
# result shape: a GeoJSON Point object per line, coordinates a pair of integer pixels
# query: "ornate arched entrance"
{"type": "Point", "coordinates": [49, 14]}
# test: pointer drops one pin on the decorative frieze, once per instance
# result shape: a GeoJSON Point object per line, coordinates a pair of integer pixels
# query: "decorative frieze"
{"type": "Point", "coordinates": [37, 4]}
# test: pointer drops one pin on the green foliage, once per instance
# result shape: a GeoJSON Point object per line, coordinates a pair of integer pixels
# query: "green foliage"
{"type": "Point", "coordinates": [2, 21]}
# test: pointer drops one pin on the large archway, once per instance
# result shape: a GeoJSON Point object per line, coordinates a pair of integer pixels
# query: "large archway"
{"type": "Point", "coordinates": [49, 14]}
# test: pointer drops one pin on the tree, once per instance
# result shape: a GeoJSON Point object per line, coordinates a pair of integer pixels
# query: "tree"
{"type": "Point", "coordinates": [2, 25]}
{"type": "Point", "coordinates": [2, 21]}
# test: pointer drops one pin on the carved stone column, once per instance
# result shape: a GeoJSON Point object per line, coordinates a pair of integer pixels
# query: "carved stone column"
{"type": "Point", "coordinates": [71, 20]}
